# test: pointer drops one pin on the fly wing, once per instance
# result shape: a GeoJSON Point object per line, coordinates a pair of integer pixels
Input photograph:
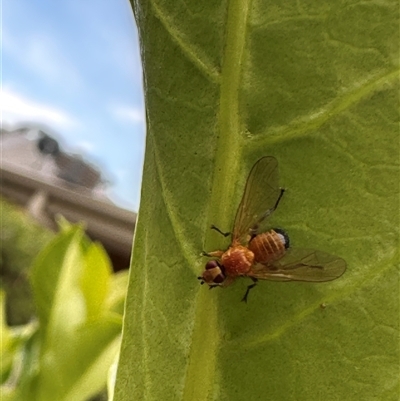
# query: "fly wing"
{"type": "Point", "coordinates": [301, 265]}
{"type": "Point", "coordinates": [259, 197]}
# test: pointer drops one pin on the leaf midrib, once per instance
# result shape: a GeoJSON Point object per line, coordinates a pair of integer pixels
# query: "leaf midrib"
{"type": "Point", "coordinates": [201, 369]}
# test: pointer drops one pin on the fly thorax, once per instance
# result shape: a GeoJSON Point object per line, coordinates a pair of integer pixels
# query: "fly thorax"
{"type": "Point", "coordinates": [237, 260]}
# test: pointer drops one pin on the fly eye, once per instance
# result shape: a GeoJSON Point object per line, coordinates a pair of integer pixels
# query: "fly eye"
{"type": "Point", "coordinates": [211, 264]}
{"type": "Point", "coordinates": [219, 279]}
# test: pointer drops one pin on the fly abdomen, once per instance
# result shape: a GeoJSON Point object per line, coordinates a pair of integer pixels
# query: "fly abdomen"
{"type": "Point", "coordinates": [270, 246]}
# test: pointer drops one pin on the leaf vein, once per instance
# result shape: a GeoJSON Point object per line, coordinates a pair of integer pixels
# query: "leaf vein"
{"type": "Point", "coordinates": [187, 249]}
{"type": "Point", "coordinates": [308, 124]}
{"type": "Point", "coordinates": [192, 54]}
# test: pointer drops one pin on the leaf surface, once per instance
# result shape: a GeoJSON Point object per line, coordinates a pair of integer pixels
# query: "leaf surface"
{"type": "Point", "coordinates": [314, 84]}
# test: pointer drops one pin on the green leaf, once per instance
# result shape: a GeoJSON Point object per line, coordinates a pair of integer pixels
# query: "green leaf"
{"type": "Point", "coordinates": [55, 273]}
{"type": "Point", "coordinates": [79, 334]}
{"type": "Point", "coordinates": [314, 84]}
{"type": "Point", "coordinates": [116, 296]}
{"type": "Point", "coordinates": [82, 364]}
{"type": "Point", "coordinates": [21, 239]}
{"type": "Point", "coordinates": [96, 287]}
{"type": "Point", "coordinates": [7, 343]}
{"type": "Point", "coordinates": [14, 341]}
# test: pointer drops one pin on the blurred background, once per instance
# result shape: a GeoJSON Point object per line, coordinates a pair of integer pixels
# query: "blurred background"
{"type": "Point", "coordinates": [73, 126]}
{"type": "Point", "coordinates": [72, 145]}
{"type": "Point", "coordinates": [72, 131]}
{"type": "Point", "coordinates": [72, 70]}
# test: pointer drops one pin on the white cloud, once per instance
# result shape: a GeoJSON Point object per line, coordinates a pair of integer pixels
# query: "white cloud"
{"type": "Point", "coordinates": [128, 113]}
{"type": "Point", "coordinates": [86, 146]}
{"type": "Point", "coordinates": [16, 108]}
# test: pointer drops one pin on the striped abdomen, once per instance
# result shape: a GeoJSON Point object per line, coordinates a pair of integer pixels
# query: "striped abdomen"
{"type": "Point", "coordinates": [270, 246]}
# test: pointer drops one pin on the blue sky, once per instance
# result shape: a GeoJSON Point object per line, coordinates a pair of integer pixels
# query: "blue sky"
{"type": "Point", "coordinates": [75, 67]}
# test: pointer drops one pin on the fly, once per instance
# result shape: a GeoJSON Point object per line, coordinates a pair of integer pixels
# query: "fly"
{"type": "Point", "coordinates": [265, 255]}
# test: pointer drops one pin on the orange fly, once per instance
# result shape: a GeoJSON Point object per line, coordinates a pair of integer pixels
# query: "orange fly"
{"type": "Point", "coordinates": [265, 255]}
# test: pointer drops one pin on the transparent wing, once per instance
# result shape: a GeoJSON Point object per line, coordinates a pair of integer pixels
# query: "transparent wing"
{"type": "Point", "coordinates": [301, 265]}
{"type": "Point", "coordinates": [259, 197]}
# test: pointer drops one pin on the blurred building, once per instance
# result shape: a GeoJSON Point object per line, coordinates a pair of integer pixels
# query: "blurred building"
{"type": "Point", "coordinates": [36, 173]}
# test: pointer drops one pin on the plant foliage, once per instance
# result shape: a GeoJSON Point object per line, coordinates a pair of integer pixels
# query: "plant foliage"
{"type": "Point", "coordinates": [21, 239]}
{"type": "Point", "coordinates": [314, 84]}
{"type": "Point", "coordinates": [66, 354]}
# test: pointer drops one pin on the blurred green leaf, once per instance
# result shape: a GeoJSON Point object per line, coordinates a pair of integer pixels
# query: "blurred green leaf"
{"type": "Point", "coordinates": [78, 338]}
{"type": "Point", "coordinates": [96, 288]}
{"type": "Point", "coordinates": [7, 346]}
{"type": "Point", "coordinates": [116, 296]}
{"type": "Point", "coordinates": [55, 277]}
{"type": "Point", "coordinates": [21, 239]}
{"type": "Point", "coordinates": [81, 363]}
{"type": "Point", "coordinates": [13, 361]}
{"type": "Point", "coordinates": [11, 345]}
{"type": "Point", "coordinates": [314, 84]}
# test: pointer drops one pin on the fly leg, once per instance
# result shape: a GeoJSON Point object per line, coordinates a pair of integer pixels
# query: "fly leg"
{"type": "Point", "coordinates": [279, 199]}
{"type": "Point", "coordinates": [210, 287]}
{"type": "Point", "coordinates": [254, 230]}
{"type": "Point", "coordinates": [218, 230]}
{"type": "Point", "coordinates": [244, 299]}
{"type": "Point", "coordinates": [215, 254]}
